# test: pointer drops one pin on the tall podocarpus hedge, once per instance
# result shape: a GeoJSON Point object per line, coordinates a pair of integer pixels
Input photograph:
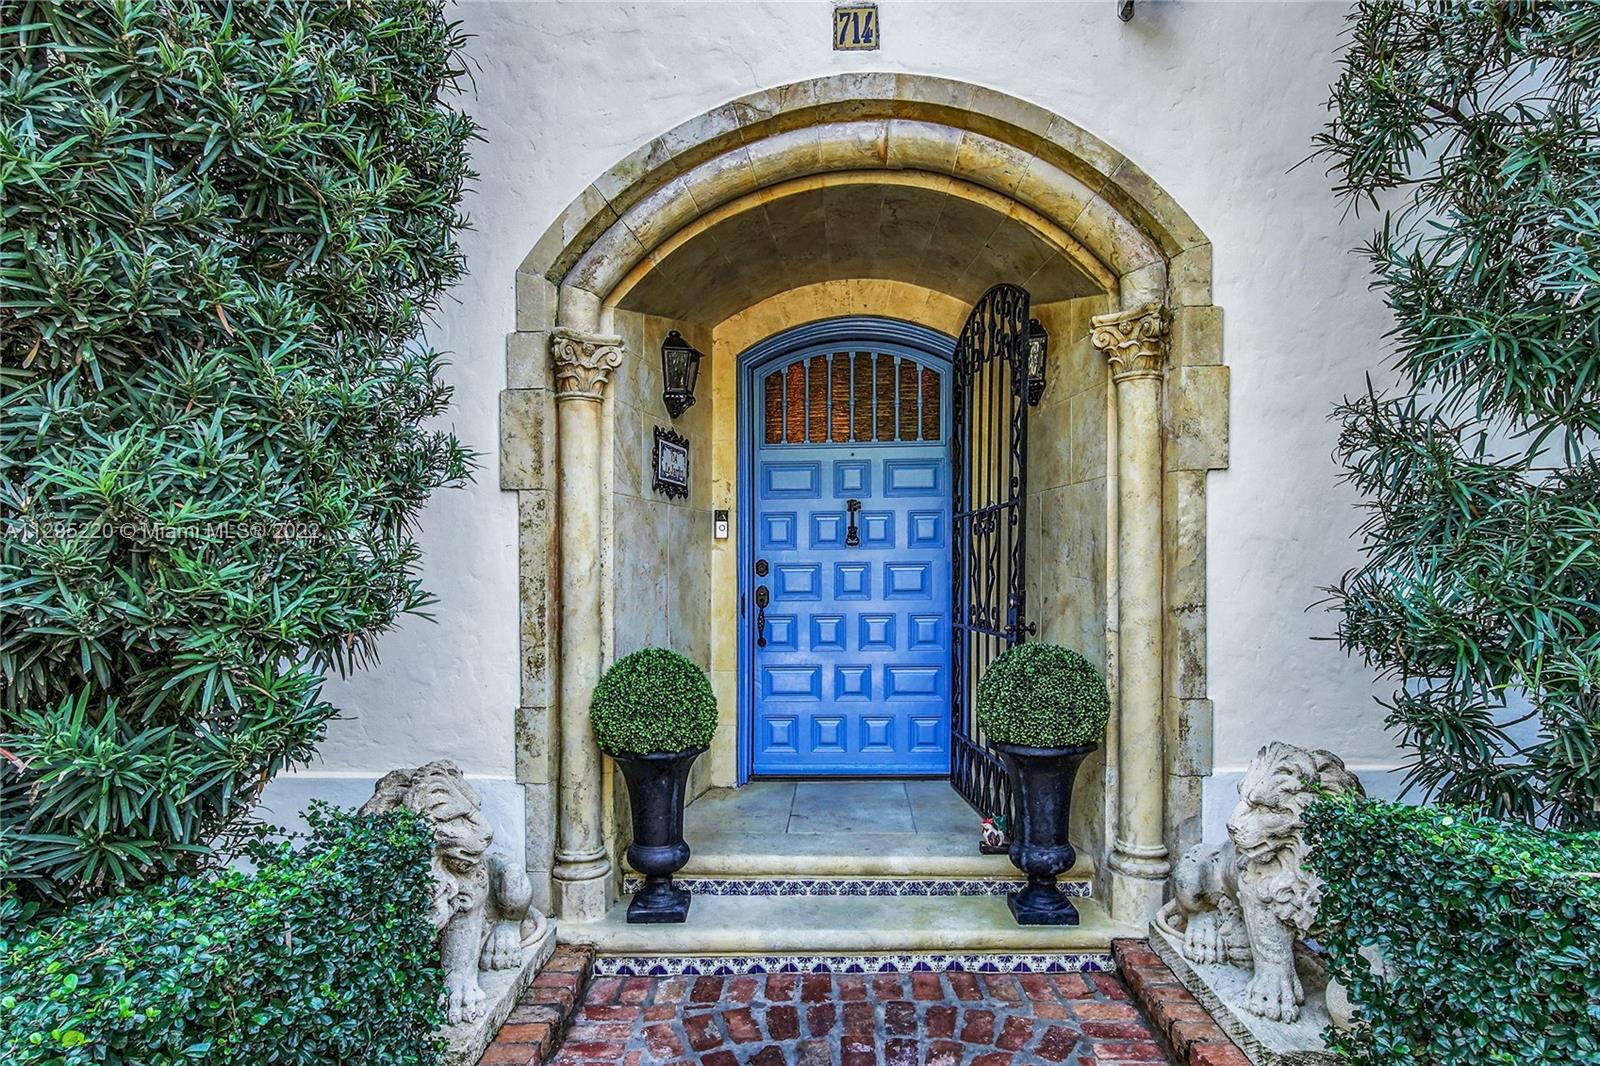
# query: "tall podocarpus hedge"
{"type": "Point", "coordinates": [1475, 127]}
{"type": "Point", "coordinates": [223, 225]}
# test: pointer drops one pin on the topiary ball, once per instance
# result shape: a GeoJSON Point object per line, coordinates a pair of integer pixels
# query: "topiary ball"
{"type": "Point", "coordinates": [1043, 696]}
{"type": "Point", "coordinates": [653, 701]}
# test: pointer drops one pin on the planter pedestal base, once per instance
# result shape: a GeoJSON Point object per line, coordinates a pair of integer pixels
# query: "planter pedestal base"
{"type": "Point", "coordinates": [1042, 903]}
{"type": "Point", "coordinates": [659, 902]}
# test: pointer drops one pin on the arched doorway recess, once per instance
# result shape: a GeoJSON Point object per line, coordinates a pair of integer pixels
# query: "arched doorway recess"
{"type": "Point", "coordinates": [829, 197]}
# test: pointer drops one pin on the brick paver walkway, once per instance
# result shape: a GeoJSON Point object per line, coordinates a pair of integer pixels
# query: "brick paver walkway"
{"type": "Point", "coordinates": [948, 1019]}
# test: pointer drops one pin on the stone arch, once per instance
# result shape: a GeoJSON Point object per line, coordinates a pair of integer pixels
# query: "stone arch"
{"type": "Point", "coordinates": [1085, 212]}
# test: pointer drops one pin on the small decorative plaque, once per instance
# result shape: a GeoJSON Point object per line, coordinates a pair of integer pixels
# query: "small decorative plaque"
{"type": "Point", "coordinates": [671, 463]}
{"type": "Point", "coordinates": [855, 28]}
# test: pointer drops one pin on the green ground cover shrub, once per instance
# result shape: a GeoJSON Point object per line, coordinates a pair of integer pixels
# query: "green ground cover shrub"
{"type": "Point", "coordinates": [223, 225]}
{"type": "Point", "coordinates": [653, 700]}
{"type": "Point", "coordinates": [1043, 696]}
{"type": "Point", "coordinates": [323, 955]}
{"type": "Point", "coordinates": [1490, 932]}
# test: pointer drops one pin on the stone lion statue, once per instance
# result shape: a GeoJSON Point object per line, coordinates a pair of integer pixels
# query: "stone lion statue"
{"type": "Point", "coordinates": [480, 901]}
{"type": "Point", "coordinates": [1247, 900]}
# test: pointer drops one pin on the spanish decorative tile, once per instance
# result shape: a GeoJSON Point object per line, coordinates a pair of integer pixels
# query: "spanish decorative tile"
{"type": "Point", "coordinates": [726, 965]}
{"type": "Point", "coordinates": [851, 886]}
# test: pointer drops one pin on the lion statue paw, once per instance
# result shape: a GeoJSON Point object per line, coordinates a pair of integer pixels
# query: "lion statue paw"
{"type": "Point", "coordinates": [463, 1000]}
{"type": "Point", "coordinates": [1275, 992]}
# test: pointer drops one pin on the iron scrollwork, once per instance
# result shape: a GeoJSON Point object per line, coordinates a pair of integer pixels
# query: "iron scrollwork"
{"type": "Point", "coordinates": [989, 459]}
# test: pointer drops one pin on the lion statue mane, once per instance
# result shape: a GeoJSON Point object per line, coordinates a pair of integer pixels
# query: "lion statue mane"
{"type": "Point", "coordinates": [480, 900]}
{"type": "Point", "coordinates": [1247, 900]}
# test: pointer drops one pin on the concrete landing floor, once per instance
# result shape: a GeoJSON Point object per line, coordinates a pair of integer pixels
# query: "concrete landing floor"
{"type": "Point", "coordinates": [887, 805]}
{"type": "Point", "coordinates": [885, 828]}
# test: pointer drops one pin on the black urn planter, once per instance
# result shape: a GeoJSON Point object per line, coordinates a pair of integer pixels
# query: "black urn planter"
{"type": "Point", "coordinates": [1041, 790]}
{"type": "Point", "coordinates": [656, 785]}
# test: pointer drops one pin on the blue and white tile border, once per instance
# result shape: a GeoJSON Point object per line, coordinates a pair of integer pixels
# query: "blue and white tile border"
{"type": "Point", "coordinates": [729, 965]}
{"type": "Point", "coordinates": [853, 886]}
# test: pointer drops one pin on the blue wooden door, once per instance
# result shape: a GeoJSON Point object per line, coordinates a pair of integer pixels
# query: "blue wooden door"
{"type": "Point", "coordinates": [850, 567]}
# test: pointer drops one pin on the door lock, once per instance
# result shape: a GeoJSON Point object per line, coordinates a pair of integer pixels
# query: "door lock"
{"type": "Point", "coordinates": [763, 597]}
{"type": "Point", "coordinates": [852, 536]}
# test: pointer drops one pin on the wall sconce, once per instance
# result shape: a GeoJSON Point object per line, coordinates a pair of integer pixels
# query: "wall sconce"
{"type": "Point", "coordinates": [1038, 357]}
{"type": "Point", "coordinates": [680, 369]}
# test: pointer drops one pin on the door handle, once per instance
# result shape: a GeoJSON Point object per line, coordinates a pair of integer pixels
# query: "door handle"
{"type": "Point", "coordinates": [763, 597]}
{"type": "Point", "coordinates": [852, 536]}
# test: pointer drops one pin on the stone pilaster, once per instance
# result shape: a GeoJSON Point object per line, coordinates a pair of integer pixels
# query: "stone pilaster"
{"type": "Point", "coordinates": [1134, 343]}
{"type": "Point", "coordinates": [582, 366]}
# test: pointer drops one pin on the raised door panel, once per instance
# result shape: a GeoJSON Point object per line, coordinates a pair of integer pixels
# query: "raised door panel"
{"type": "Point", "coordinates": [853, 678]}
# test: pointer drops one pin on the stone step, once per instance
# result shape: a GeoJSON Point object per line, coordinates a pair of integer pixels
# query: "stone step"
{"type": "Point", "coordinates": [742, 934]}
{"type": "Point", "coordinates": [745, 854]}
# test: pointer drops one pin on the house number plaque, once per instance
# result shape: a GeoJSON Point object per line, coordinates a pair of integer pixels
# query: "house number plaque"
{"type": "Point", "coordinates": [855, 28]}
{"type": "Point", "coordinates": [671, 463]}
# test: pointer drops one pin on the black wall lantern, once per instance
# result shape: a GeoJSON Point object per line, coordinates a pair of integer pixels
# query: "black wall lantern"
{"type": "Point", "coordinates": [1038, 356]}
{"type": "Point", "coordinates": [680, 369]}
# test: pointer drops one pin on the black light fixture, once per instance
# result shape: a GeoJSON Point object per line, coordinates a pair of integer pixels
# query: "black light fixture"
{"type": "Point", "coordinates": [1038, 357]}
{"type": "Point", "coordinates": [680, 369]}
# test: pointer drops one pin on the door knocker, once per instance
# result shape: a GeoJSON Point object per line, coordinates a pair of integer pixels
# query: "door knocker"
{"type": "Point", "coordinates": [852, 536]}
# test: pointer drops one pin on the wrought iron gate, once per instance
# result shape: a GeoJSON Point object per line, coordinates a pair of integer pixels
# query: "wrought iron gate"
{"type": "Point", "coordinates": [989, 462]}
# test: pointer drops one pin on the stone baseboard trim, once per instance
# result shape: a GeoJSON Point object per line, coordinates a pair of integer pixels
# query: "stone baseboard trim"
{"type": "Point", "coordinates": [539, 1020]}
{"type": "Point", "coordinates": [900, 962]}
{"type": "Point", "coordinates": [1192, 1036]}
{"type": "Point", "coordinates": [855, 886]}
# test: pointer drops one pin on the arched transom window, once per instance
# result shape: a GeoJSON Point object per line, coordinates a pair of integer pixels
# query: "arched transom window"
{"type": "Point", "coordinates": [851, 396]}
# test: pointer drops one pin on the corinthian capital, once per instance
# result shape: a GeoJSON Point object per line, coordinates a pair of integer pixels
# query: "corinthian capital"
{"type": "Point", "coordinates": [1134, 342]}
{"type": "Point", "coordinates": [583, 362]}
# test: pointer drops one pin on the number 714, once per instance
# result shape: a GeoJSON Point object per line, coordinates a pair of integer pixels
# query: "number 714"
{"type": "Point", "coordinates": [855, 27]}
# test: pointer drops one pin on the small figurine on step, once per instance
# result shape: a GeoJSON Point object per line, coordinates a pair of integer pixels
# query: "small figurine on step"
{"type": "Point", "coordinates": [994, 840]}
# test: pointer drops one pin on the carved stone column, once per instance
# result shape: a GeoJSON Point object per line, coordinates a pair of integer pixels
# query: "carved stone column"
{"type": "Point", "coordinates": [1134, 342]}
{"type": "Point", "coordinates": [583, 364]}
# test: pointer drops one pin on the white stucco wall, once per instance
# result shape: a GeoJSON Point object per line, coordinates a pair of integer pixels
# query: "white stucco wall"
{"type": "Point", "coordinates": [1216, 101]}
